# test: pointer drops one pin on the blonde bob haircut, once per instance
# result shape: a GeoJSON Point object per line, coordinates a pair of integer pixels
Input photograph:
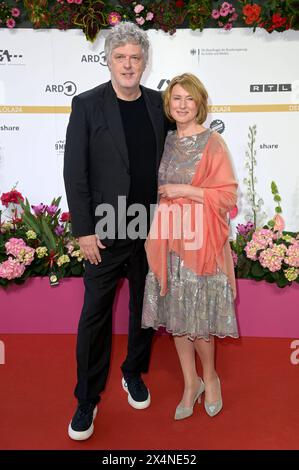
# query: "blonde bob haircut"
{"type": "Point", "coordinates": [195, 88]}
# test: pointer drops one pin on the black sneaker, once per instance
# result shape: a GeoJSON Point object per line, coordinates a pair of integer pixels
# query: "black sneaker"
{"type": "Point", "coordinates": [138, 395]}
{"type": "Point", "coordinates": [81, 427]}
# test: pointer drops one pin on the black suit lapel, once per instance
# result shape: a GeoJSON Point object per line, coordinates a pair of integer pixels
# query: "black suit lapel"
{"type": "Point", "coordinates": [114, 121]}
{"type": "Point", "coordinates": [156, 116]}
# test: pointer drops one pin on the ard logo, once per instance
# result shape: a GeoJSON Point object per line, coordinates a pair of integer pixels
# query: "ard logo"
{"type": "Point", "coordinates": [95, 58]}
{"type": "Point", "coordinates": [67, 88]}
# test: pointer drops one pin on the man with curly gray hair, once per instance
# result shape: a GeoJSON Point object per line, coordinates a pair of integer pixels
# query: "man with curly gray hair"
{"type": "Point", "coordinates": [114, 144]}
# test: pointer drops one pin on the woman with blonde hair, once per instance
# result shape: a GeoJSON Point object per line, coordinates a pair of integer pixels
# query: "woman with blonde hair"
{"type": "Point", "coordinates": [190, 287]}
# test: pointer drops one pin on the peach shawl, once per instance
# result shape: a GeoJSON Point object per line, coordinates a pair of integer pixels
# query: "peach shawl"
{"type": "Point", "coordinates": [215, 175]}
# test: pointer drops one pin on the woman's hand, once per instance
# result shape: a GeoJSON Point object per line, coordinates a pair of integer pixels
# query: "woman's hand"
{"type": "Point", "coordinates": [173, 191]}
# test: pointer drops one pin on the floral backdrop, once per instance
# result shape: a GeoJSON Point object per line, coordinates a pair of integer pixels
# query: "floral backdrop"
{"type": "Point", "coordinates": [36, 240]}
{"type": "Point", "coordinates": [93, 15]}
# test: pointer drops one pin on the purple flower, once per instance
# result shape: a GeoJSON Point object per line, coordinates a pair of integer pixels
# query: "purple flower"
{"type": "Point", "coordinates": [51, 210]}
{"type": "Point", "coordinates": [40, 209]}
{"type": "Point", "coordinates": [59, 230]}
{"type": "Point", "coordinates": [244, 230]}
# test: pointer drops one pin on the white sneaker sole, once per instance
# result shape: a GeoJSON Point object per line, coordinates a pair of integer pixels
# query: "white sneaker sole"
{"type": "Point", "coordinates": [82, 435]}
{"type": "Point", "coordinates": [138, 405]}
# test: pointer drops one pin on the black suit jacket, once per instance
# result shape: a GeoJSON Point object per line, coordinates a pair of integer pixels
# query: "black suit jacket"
{"type": "Point", "coordinates": [96, 162]}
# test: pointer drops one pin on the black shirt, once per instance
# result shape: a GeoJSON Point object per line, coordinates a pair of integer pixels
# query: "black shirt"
{"type": "Point", "coordinates": [141, 144]}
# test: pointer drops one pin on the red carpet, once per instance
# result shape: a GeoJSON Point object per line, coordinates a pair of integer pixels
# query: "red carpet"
{"type": "Point", "coordinates": [259, 384]}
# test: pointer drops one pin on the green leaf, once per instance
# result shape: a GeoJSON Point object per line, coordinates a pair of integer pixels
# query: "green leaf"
{"type": "Point", "coordinates": [31, 222]}
{"type": "Point", "coordinates": [244, 265]}
{"type": "Point", "coordinates": [76, 270]}
{"type": "Point", "coordinates": [271, 223]}
{"type": "Point", "coordinates": [257, 270]}
{"type": "Point", "coordinates": [274, 188]}
{"type": "Point", "coordinates": [275, 276]}
{"type": "Point", "coordinates": [282, 282]}
{"type": "Point", "coordinates": [49, 235]}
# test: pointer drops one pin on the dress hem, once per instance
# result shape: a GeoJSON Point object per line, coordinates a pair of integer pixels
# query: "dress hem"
{"type": "Point", "coordinates": [193, 338]}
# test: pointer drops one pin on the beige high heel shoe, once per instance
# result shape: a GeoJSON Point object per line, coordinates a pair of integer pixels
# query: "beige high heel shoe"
{"type": "Point", "coordinates": [183, 412]}
{"type": "Point", "coordinates": [214, 408]}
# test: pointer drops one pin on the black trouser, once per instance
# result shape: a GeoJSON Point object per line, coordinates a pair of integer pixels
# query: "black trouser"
{"type": "Point", "coordinates": [126, 258]}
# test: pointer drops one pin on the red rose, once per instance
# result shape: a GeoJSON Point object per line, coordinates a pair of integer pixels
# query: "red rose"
{"type": "Point", "coordinates": [11, 197]}
{"type": "Point", "coordinates": [65, 217]}
{"type": "Point", "coordinates": [179, 4]}
{"type": "Point", "coordinates": [278, 20]}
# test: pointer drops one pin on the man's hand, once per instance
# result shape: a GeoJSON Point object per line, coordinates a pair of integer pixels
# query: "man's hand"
{"type": "Point", "coordinates": [89, 246]}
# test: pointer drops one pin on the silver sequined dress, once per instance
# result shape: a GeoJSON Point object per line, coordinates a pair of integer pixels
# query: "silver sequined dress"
{"type": "Point", "coordinates": [197, 306]}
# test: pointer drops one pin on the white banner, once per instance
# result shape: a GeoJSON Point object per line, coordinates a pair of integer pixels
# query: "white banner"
{"type": "Point", "coordinates": [252, 78]}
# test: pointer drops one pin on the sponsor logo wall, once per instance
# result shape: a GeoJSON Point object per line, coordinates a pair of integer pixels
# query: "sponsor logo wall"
{"type": "Point", "coordinates": [251, 79]}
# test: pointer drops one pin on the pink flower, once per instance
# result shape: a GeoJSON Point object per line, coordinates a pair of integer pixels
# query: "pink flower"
{"type": "Point", "coordinates": [70, 247]}
{"type": "Point", "coordinates": [251, 249]}
{"type": "Point", "coordinates": [292, 256]}
{"type": "Point", "coordinates": [233, 212]}
{"type": "Point", "coordinates": [228, 26]}
{"type": "Point", "coordinates": [279, 223]}
{"type": "Point", "coordinates": [14, 245]}
{"type": "Point", "coordinates": [235, 258]}
{"type": "Point", "coordinates": [51, 210]}
{"type": "Point", "coordinates": [234, 17]}
{"type": "Point", "coordinates": [215, 14]}
{"type": "Point", "coordinates": [138, 8]}
{"type": "Point", "coordinates": [226, 5]}
{"type": "Point", "coordinates": [70, 1]}
{"type": "Point", "coordinates": [11, 268]}
{"type": "Point", "coordinates": [224, 12]}
{"type": "Point", "coordinates": [78, 2]}
{"type": "Point", "coordinates": [15, 12]}
{"type": "Point", "coordinates": [270, 259]}
{"type": "Point", "coordinates": [40, 209]}
{"type": "Point", "coordinates": [263, 237]}
{"type": "Point", "coordinates": [149, 16]}
{"type": "Point", "coordinates": [114, 18]}
{"type": "Point", "coordinates": [140, 20]}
